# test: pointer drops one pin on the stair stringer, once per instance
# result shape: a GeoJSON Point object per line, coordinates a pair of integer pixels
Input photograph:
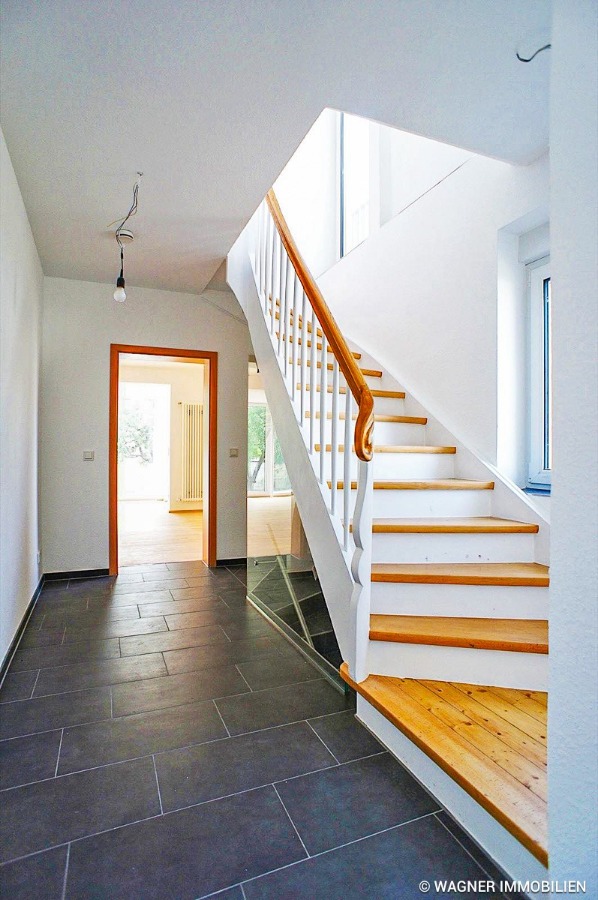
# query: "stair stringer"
{"type": "Point", "coordinates": [332, 565]}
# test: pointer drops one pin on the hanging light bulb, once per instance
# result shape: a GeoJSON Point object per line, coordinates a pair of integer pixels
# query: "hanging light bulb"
{"type": "Point", "coordinates": [119, 294]}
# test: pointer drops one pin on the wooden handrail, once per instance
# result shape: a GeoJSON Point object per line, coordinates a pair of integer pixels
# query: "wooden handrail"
{"type": "Point", "coordinates": [357, 384]}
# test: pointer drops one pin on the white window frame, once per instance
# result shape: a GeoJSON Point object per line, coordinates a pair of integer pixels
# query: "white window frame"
{"type": "Point", "coordinates": [540, 402]}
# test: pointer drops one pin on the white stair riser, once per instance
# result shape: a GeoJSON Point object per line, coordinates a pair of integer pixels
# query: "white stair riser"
{"type": "Point", "coordinates": [389, 406]}
{"type": "Point", "coordinates": [449, 548]}
{"type": "Point", "coordinates": [395, 433]}
{"type": "Point", "coordinates": [402, 466]}
{"type": "Point", "coordinates": [498, 668]}
{"type": "Point", "coordinates": [429, 504]}
{"type": "Point", "coordinates": [473, 601]}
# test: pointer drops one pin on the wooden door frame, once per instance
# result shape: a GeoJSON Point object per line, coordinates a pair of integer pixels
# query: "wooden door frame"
{"type": "Point", "coordinates": [211, 358]}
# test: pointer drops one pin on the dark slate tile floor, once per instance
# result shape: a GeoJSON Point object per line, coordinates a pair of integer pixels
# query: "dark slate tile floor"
{"type": "Point", "coordinates": [158, 739]}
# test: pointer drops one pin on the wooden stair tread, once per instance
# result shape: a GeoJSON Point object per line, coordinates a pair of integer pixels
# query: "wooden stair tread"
{"type": "Point", "coordinates": [486, 753]}
{"type": "Point", "coordinates": [368, 373]}
{"type": "Point", "coordinates": [506, 574]}
{"type": "Point", "coordinates": [329, 349]}
{"type": "Point", "coordinates": [513, 635]}
{"type": "Point", "coordinates": [394, 448]}
{"type": "Point", "coordinates": [473, 525]}
{"type": "Point", "coordinates": [319, 332]}
{"type": "Point", "coordinates": [380, 417]}
{"type": "Point", "coordinates": [432, 484]}
{"type": "Point", "coordinates": [375, 392]}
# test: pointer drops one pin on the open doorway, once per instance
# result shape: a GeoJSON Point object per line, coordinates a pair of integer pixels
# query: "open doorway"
{"type": "Point", "coordinates": [162, 456]}
{"type": "Point", "coordinates": [269, 493]}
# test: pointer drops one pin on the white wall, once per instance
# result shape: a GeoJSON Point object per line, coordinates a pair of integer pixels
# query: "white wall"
{"type": "Point", "coordinates": [307, 190]}
{"type": "Point", "coordinates": [80, 321]}
{"type": "Point", "coordinates": [421, 294]}
{"type": "Point", "coordinates": [21, 284]}
{"type": "Point", "coordinates": [186, 382]}
{"type": "Point", "coordinates": [409, 166]}
{"type": "Point", "coordinates": [572, 698]}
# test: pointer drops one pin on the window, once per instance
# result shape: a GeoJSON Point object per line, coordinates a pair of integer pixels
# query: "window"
{"type": "Point", "coordinates": [355, 181]}
{"type": "Point", "coordinates": [540, 455]}
{"type": "Point", "coordinates": [266, 470]}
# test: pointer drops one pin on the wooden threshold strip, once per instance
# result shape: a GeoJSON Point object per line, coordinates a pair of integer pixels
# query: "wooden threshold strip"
{"type": "Point", "coordinates": [510, 635]}
{"type": "Point", "coordinates": [481, 739]}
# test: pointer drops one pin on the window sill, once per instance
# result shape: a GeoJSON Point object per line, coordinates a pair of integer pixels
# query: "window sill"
{"type": "Point", "coordinates": [538, 490]}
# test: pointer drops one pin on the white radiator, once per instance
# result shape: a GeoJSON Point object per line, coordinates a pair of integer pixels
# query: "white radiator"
{"type": "Point", "coordinates": [192, 455]}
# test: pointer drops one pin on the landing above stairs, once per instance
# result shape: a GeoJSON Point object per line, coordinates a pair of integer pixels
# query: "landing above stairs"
{"type": "Point", "coordinates": [491, 741]}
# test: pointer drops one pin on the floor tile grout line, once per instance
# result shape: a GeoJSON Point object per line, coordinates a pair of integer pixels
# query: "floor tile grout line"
{"type": "Point", "coordinates": [358, 840]}
{"type": "Point", "coordinates": [255, 787]}
{"type": "Point", "coordinates": [158, 708]}
{"type": "Point", "coordinates": [17, 737]}
{"type": "Point", "coordinates": [323, 742]}
{"type": "Point", "coordinates": [35, 685]}
{"type": "Point", "coordinates": [66, 870]}
{"type": "Point", "coordinates": [157, 784]}
{"type": "Point", "coordinates": [117, 762]}
{"type": "Point", "coordinates": [172, 812]}
{"type": "Point", "coordinates": [291, 821]}
{"type": "Point", "coordinates": [222, 718]}
{"type": "Point", "coordinates": [243, 677]}
{"type": "Point", "coordinates": [76, 840]}
{"type": "Point", "coordinates": [464, 848]}
{"type": "Point", "coordinates": [59, 749]}
{"type": "Point", "coordinates": [339, 765]}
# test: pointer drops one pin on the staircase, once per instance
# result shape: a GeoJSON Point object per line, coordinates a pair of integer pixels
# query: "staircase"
{"type": "Point", "coordinates": [432, 565]}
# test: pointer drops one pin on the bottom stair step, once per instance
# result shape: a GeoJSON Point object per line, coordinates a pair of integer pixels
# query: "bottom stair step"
{"type": "Point", "coordinates": [490, 741]}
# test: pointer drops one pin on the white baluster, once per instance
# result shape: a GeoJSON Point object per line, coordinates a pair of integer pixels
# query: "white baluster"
{"type": "Point", "coordinates": [288, 299]}
{"type": "Point", "coordinates": [275, 281]}
{"type": "Point", "coordinates": [323, 399]}
{"type": "Point", "coordinates": [264, 217]}
{"type": "Point", "coordinates": [269, 267]}
{"type": "Point", "coordinates": [283, 305]}
{"type": "Point", "coordinates": [303, 377]}
{"type": "Point", "coordinates": [312, 385]}
{"type": "Point", "coordinates": [296, 285]}
{"type": "Point", "coordinates": [257, 252]}
{"type": "Point", "coordinates": [334, 435]}
{"type": "Point", "coordinates": [361, 569]}
{"type": "Point", "coordinates": [347, 468]}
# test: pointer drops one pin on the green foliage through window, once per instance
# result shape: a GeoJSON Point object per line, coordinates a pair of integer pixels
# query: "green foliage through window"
{"type": "Point", "coordinates": [135, 439]}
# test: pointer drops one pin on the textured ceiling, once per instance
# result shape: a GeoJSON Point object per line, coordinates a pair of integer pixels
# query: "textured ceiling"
{"type": "Point", "coordinates": [209, 98]}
